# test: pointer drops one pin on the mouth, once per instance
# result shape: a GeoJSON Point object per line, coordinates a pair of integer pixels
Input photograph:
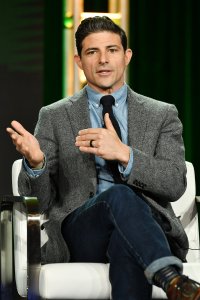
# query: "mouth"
{"type": "Point", "coordinates": [104, 72]}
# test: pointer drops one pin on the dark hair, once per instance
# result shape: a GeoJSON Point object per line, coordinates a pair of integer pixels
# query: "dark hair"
{"type": "Point", "coordinates": [98, 24]}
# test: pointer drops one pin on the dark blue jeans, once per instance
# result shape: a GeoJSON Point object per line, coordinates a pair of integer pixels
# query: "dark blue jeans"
{"type": "Point", "coordinates": [117, 226]}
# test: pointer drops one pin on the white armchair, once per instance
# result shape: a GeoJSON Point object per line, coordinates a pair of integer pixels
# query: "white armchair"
{"type": "Point", "coordinates": [82, 280]}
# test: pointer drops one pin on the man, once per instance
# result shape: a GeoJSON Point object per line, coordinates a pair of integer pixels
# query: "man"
{"type": "Point", "coordinates": [105, 184]}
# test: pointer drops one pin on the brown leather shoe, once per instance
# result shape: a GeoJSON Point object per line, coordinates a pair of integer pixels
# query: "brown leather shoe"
{"type": "Point", "coordinates": [183, 288]}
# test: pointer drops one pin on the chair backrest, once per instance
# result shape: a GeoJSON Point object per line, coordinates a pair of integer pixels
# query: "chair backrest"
{"type": "Point", "coordinates": [184, 204]}
{"type": "Point", "coordinates": [185, 208]}
{"type": "Point", "coordinates": [16, 167]}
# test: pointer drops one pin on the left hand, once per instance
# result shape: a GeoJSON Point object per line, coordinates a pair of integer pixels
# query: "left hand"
{"type": "Point", "coordinates": [105, 143]}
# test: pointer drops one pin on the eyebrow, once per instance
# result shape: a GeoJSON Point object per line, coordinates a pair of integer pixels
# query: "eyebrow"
{"type": "Point", "coordinates": [96, 48]}
{"type": "Point", "coordinates": [92, 48]}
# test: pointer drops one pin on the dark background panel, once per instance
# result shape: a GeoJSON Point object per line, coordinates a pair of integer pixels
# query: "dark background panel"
{"type": "Point", "coordinates": [164, 37]}
{"type": "Point", "coordinates": [166, 62]}
{"type": "Point", "coordinates": [21, 74]}
{"type": "Point", "coordinates": [30, 69]}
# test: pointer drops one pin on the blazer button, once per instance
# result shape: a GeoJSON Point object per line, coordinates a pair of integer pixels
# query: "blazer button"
{"type": "Point", "coordinates": [91, 195]}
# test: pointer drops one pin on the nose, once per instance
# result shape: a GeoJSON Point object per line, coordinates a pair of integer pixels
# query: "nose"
{"type": "Point", "coordinates": [103, 57]}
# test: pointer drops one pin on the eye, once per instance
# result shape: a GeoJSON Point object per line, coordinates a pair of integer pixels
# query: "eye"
{"type": "Point", "coordinates": [91, 52]}
{"type": "Point", "coordinates": [112, 50]}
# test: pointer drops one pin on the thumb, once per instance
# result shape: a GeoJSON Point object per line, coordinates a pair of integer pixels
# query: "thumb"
{"type": "Point", "coordinates": [108, 123]}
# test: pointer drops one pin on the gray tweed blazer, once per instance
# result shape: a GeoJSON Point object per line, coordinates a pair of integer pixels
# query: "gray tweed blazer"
{"type": "Point", "coordinates": [69, 178]}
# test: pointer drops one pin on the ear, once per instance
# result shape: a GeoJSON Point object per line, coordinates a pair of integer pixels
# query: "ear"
{"type": "Point", "coordinates": [128, 55]}
{"type": "Point", "coordinates": [77, 60]}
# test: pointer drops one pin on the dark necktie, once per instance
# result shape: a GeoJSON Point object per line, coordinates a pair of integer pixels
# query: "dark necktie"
{"type": "Point", "coordinates": [107, 102]}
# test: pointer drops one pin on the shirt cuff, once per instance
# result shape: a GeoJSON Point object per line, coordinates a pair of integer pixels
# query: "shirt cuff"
{"type": "Point", "coordinates": [125, 172]}
{"type": "Point", "coordinates": [31, 172]}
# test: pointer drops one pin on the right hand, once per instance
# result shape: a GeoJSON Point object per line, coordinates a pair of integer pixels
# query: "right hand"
{"type": "Point", "coordinates": [26, 144]}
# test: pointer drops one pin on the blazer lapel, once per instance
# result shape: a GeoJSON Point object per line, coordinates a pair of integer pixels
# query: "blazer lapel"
{"type": "Point", "coordinates": [78, 114]}
{"type": "Point", "coordinates": [137, 120]}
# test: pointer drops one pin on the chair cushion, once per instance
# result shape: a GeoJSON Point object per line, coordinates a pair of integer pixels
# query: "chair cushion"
{"type": "Point", "coordinates": [84, 281]}
{"type": "Point", "coordinates": [75, 281]}
{"type": "Point", "coordinates": [89, 281]}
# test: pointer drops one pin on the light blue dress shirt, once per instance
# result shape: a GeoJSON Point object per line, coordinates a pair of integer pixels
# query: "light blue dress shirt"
{"type": "Point", "coordinates": [120, 110]}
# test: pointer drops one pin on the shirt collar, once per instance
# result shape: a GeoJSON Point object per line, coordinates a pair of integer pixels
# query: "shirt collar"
{"type": "Point", "coordinates": [94, 97]}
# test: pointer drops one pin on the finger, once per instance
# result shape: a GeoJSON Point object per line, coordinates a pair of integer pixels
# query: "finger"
{"type": "Point", "coordinates": [80, 143]}
{"type": "Point", "coordinates": [89, 131]}
{"type": "Point", "coordinates": [108, 123]}
{"type": "Point", "coordinates": [87, 137]}
{"type": "Point", "coordinates": [88, 150]}
{"type": "Point", "coordinates": [12, 133]}
{"type": "Point", "coordinates": [10, 130]}
{"type": "Point", "coordinates": [19, 128]}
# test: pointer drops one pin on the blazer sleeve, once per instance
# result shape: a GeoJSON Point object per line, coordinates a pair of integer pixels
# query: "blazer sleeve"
{"type": "Point", "coordinates": [159, 168]}
{"type": "Point", "coordinates": [43, 186]}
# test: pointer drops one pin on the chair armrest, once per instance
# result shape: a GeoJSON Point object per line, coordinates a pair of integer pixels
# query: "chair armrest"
{"type": "Point", "coordinates": [6, 253]}
{"type": "Point", "coordinates": [197, 198]}
{"type": "Point", "coordinates": [30, 207]}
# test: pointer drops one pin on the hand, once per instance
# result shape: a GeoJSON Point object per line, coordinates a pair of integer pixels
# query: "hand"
{"type": "Point", "coordinates": [105, 143]}
{"type": "Point", "coordinates": [26, 144]}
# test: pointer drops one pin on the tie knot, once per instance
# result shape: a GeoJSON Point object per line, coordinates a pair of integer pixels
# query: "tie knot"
{"type": "Point", "coordinates": [107, 100]}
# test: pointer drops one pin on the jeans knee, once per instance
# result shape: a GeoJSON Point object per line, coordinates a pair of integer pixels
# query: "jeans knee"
{"type": "Point", "coordinates": [124, 198]}
{"type": "Point", "coordinates": [121, 195]}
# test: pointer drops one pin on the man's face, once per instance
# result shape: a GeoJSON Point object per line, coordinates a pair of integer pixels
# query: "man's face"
{"type": "Point", "coordinates": [103, 61]}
